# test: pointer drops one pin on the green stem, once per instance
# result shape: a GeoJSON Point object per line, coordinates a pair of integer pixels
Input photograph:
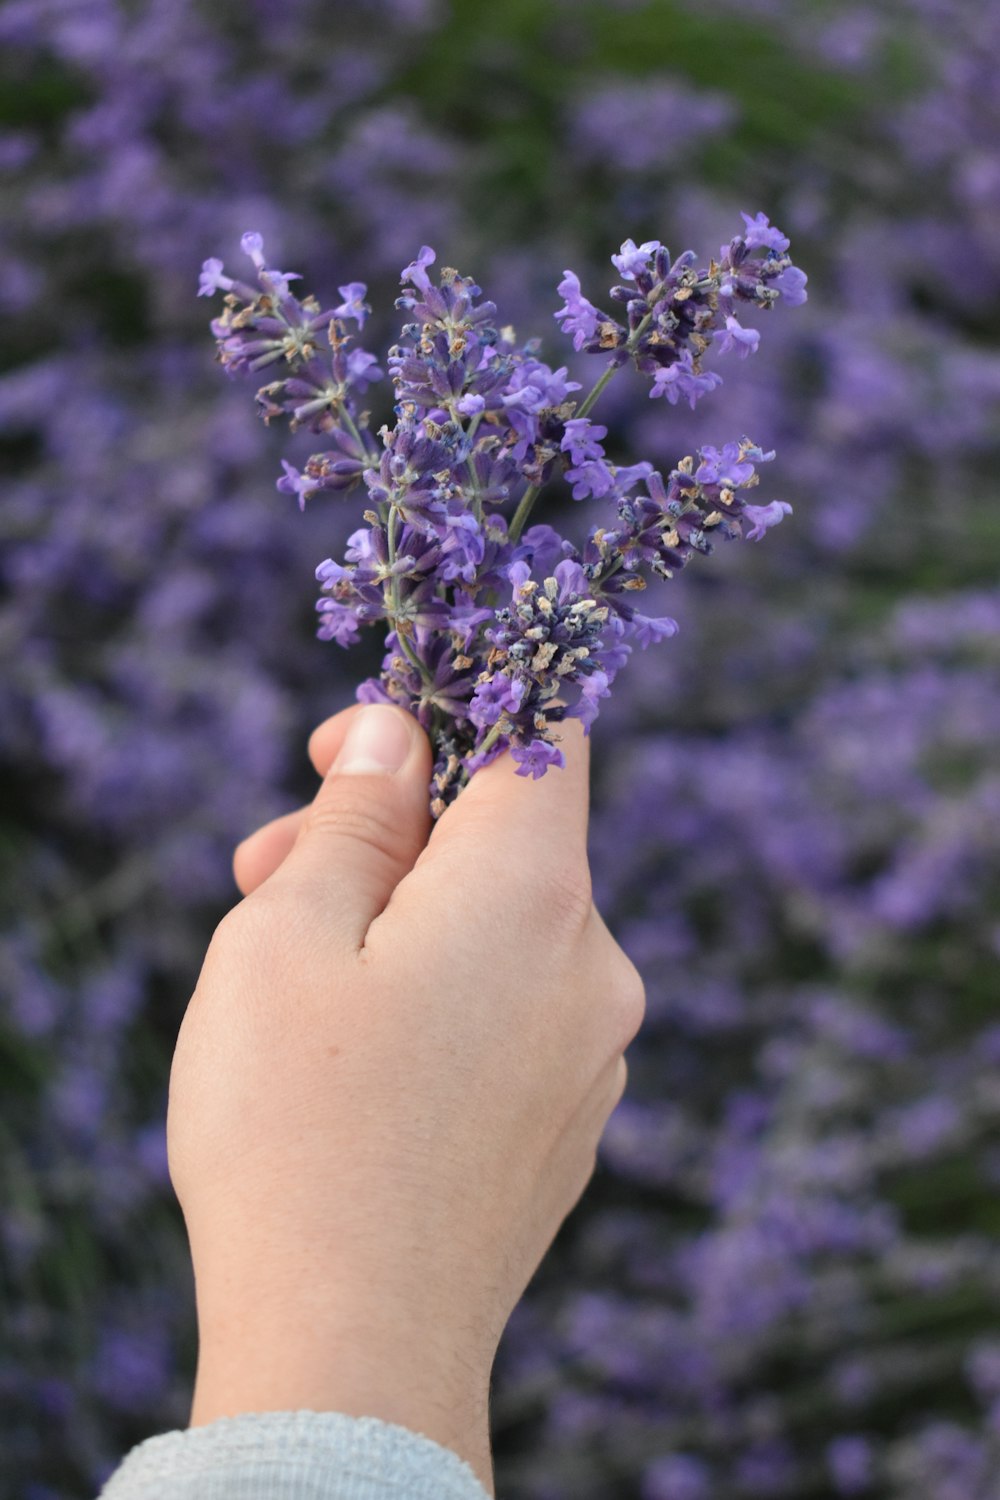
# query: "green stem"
{"type": "Point", "coordinates": [351, 426]}
{"type": "Point", "coordinates": [597, 390]}
{"type": "Point", "coordinates": [523, 511]}
{"type": "Point", "coordinates": [470, 467]}
{"type": "Point", "coordinates": [477, 503]}
{"type": "Point", "coordinates": [396, 602]}
{"type": "Point", "coordinates": [491, 739]}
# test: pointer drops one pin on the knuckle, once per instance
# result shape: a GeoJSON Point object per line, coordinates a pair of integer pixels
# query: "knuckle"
{"type": "Point", "coordinates": [230, 931]}
{"type": "Point", "coordinates": [347, 814]}
{"type": "Point", "coordinates": [629, 993]}
{"type": "Point", "coordinates": [260, 935]}
{"type": "Point", "coordinates": [565, 895]}
{"type": "Point", "coordinates": [239, 938]}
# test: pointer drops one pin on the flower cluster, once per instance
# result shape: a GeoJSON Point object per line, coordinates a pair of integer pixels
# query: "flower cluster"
{"type": "Point", "coordinates": [482, 424]}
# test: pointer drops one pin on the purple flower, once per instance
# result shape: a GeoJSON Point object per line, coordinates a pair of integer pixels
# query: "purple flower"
{"type": "Point", "coordinates": [570, 579]}
{"type": "Point", "coordinates": [764, 517]}
{"type": "Point", "coordinates": [416, 272]}
{"type": "Point", "coordinates": [354, 304]}
{"type": "Point", "coordinates": [682, 379]}
{"type": "Point", "coordinates": [592, 477]}
{"type": "Point", "coordinates": [338, 622]}
{"type": "Point", "coordinates": [743, 340]}
{"type": "Point", "coordinates": [525, 398]}
{"type": "Point", "coordinates": [518, 574]}
{"type": "Point", "coordinates": [646, 629]}
{"type": "Point", "coordinates": [533, 387]}
{"type": "Point", "coordinates": [792, 285]}
{"type": "Point", "coordinates": [577, 316]}
{"type": "Point", "coordinates": [496, 695]}
{"type": "Point", "coordinates": [760, 233]}
{"type": "Point", "coordinates": [362, 369]}
{"type": "Point", "coordinates": [633, 259]}
{"type": "Point", "coordinates": [582, 440]}
{"type": "Point", "coordinates": [592, 688]}
{"type": "Point", "coordinates": [536, 757]}
{"type": "Point", "coordinates": [461, 544]}
{"type": "Point", "coordinates": [627, 476]}
{"type": "Point", "coordinates": [590, 473]}
{"type": "Point", "coordinates": [730, 466]}
{"type": "Point", "coordinates": [295, 483]}
{"type": "Point", "coordinates": [212, 279]}
{"type": "Point", "coordinates": [252, 244]}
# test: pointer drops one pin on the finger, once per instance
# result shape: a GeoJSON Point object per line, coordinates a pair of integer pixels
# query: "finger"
{"type": "Point", "coordinates": [568, 786]}
{"type": "Point", "coordinates": [258, 856]}
{"type": "Point", "coordinates": [327, 738]}
{"type": "Point", "coordinates": [261, 852]}
{"type": "Point", "coordinates": [505, 828]}
{"type": "Point", "coordinates": [369, 820]}
{"type": "Point", "coordinates": [555, 806]}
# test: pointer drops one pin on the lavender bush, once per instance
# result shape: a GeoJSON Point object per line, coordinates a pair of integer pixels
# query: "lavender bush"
{"type": "Point", "coordinates": [781, 1281]}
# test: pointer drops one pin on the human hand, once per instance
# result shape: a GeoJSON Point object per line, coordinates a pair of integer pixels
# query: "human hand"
{"type": "Point", "coordinates": [390, 1084]}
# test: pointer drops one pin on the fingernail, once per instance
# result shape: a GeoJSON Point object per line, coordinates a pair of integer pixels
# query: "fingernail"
{"type": "Point", "coordinates": [377, 742]}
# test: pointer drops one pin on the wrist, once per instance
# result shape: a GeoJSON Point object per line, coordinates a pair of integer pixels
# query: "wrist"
{"type": "Point", "coordinates": [306, 1357]}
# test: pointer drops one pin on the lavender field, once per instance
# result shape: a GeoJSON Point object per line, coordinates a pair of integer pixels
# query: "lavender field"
{"type": "Point", "coordinates": [784, 1279]}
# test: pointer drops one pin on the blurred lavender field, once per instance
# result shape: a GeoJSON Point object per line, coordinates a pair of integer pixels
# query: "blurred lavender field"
{"type": "Point", "coordinates": [785, 1277]}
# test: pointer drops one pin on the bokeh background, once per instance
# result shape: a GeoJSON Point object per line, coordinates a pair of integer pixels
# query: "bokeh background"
{"type": "Point", "coordinates": [784, 1279]}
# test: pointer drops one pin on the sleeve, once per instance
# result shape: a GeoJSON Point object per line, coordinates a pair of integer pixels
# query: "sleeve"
{"type": "Point", "coordinates": [293, 1455]}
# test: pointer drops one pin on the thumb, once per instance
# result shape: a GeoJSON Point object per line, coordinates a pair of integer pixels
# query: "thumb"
{"type": "Point", "coordinates": [369, 820]}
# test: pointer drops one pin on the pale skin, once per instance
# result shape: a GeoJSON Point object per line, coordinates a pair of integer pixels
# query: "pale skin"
{"type": "Point", "coordinates": [390, 1084]}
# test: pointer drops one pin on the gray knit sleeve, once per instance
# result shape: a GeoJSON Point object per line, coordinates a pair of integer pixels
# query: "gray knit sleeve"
{"type": "Point", "coordinates": [293, 1455]}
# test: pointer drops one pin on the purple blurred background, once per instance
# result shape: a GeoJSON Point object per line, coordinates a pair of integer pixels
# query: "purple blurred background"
{"type": "Point", "coordinates": [785, 1277]}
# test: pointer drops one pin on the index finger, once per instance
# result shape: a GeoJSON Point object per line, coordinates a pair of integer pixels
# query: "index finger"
{"type": "Point", "coordinates": [503, 827]}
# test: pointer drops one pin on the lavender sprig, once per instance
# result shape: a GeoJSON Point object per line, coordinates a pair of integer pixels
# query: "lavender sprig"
{"type": "Point", "coordinates": [498, 631]}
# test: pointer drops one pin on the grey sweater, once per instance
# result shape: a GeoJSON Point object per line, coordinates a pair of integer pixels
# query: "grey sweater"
{"type": "Point", "coordinates": [293, 1455]}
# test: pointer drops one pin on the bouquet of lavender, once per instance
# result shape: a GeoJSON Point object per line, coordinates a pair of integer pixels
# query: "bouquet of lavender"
{"type": "Point", "coordinates": [498, 630]}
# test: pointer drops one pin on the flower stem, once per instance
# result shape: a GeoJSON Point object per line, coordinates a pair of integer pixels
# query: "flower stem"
{"type": "Point", "coordinates": [523, 511]}
{"type": "Point", "coordinates": [352, 428]}
{"type": "Point", "coordinates": [396, 602]}
{"type": "Point", "coordinates": [470, 467]}
{"type": "Point", "coordinates": [491, 738]}
{"type": "Point", "coordinates": [594, 394]}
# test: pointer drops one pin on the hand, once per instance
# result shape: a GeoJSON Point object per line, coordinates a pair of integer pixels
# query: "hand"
{"type": "Point", "coordinates": [390, 1084]}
